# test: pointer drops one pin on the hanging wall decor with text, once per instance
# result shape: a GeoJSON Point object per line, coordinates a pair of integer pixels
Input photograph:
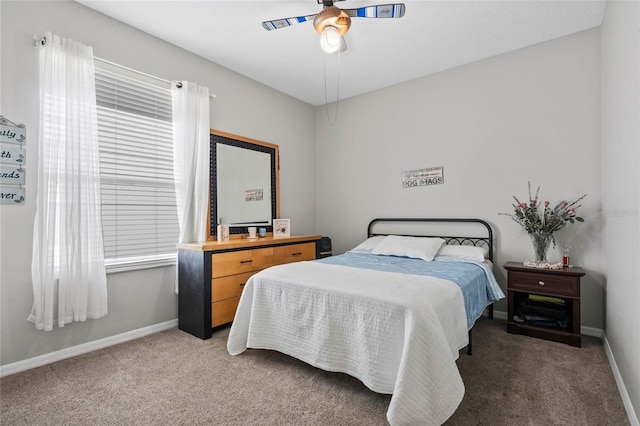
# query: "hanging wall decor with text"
{"type": "Point", "coordinates": [422, 177]}
{"type": "Point", "coordinates": [13, 155]}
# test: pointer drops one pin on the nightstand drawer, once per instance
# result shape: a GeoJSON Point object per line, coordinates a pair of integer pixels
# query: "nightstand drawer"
{"type": "Point", "coordinates": [544, 283]}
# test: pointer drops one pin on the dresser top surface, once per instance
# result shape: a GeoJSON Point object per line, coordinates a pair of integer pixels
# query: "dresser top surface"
{"type": "Point", "coordinates": [239, 243]}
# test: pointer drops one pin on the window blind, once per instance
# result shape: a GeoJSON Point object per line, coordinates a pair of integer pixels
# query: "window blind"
{"type": "Point", "coordinates": [139, 215]}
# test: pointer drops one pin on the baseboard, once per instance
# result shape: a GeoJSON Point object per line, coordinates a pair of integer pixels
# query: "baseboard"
{"type": "Point", "coordinates": [587, 331]}
{"type": "Point", "coordinates": [84, 348]}
{"type": "Point", "coordinates": [626, 401]}
{"type": "Point", "coordinates": [591, 331]}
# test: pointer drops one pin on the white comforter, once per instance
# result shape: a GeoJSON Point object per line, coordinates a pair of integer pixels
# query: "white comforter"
{"type": "Point", "coordinates": [399, 334]}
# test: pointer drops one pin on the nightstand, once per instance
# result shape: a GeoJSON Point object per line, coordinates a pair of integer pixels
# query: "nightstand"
{"type": "Point", "coordinates": [561, 286]}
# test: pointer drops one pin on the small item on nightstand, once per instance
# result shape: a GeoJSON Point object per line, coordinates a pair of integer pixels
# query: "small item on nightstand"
{"type": "Point", "coordinates": [262, 232]}
{"type": "Point", "coordinates": [252, 231]}
{"type": "Point", "coordinates": [565, 257]}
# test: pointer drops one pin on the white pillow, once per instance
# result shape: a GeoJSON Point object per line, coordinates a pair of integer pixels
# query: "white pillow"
{"type": "Point", "coordinates": [477, 254]}
{"type": "Point", "coordinates": [369, 244]}
{"type": "Point", "coordinates": [424, 248]}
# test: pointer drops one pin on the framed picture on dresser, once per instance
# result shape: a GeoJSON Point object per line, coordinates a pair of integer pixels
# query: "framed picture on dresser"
{"type": "Point", "coordinates": [281, 227]}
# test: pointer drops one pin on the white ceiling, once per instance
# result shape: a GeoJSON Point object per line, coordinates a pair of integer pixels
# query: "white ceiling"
{"type": "Point", "coordinates": [432, 36]}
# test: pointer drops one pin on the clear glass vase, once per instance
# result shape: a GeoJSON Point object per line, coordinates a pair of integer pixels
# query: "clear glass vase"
{"type": "Point", "coordinates": [541, 242]}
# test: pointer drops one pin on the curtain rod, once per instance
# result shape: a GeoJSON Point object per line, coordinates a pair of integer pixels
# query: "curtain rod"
{"type": "Point", "coordinates": [42, 41]}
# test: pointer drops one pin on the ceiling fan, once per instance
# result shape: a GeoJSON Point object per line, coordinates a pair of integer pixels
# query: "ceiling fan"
{"type": "Point", "coordinates": [332, 22]}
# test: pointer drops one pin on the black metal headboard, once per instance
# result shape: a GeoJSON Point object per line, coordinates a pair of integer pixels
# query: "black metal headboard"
{"type": "Point", "coordinates": [479, 241]}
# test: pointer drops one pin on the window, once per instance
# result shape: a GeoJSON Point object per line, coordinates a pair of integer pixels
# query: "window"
{"type": "Point", "coordinates": [139, 216]}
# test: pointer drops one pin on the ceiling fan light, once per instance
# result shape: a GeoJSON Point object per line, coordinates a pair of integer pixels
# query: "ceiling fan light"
{"type": "Point", "coordinates": [334, 17]}
{"type": "Point", "coordinates": [332, 41]}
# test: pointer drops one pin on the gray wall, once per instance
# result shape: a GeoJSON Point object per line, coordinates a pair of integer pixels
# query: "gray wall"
{"type": "Point", "coordinates": [621, 188]}
{"type": "Point", "coordinates": [529, 115]}
{"type": "Point", "coordinates": [242, 106]}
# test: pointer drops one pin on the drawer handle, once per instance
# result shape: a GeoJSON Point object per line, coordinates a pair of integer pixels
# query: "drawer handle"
{"type": "Point", "coordinates": [242, 284]}
{"type": "Point", "coordinates": [296, 254]}
{"type": "Point", "coordinates": [541, 282]}
{"type": "Point", "coordinates": [246, 261]}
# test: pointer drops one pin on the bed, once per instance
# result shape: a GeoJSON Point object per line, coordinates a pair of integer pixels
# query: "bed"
{"type": "Point", "coordinates": [393, 312]}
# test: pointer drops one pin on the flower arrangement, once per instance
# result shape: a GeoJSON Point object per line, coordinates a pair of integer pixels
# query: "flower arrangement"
{"type": "Point", "coordinates": [540, 218]}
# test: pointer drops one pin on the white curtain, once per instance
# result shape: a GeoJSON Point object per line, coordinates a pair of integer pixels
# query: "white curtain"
{"type": "Point", "coordinates": [191, 160]}
{"type": "Point", "coordinates": [68, 274]}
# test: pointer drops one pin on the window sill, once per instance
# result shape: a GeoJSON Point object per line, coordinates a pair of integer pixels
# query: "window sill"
{"type": "Point", "coordinates": [133, 264]}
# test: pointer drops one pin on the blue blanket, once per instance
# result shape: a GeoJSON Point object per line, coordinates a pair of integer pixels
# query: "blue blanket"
{"type": "Point", "coordinates": [477, 282]}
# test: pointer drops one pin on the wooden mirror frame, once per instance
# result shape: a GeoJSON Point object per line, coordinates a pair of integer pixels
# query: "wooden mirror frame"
{"type": "Point", "coordinates": [217, 136]}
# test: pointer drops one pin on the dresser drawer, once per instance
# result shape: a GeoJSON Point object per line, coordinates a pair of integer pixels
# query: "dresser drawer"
{"type": "Point", "coordinates": [229, 286]}
{"type": "Point", "coordinates": [223, 312]}
{"type": "Point", "coordinates": [236, 262]}
{"type": "Point", "coordinates": [547, 284]}
{"type": "Point", "coordinates": [294, 253]}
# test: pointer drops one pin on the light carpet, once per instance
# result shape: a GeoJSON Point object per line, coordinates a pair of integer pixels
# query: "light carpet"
{"type": "Point", "coordinates": [173, 378]}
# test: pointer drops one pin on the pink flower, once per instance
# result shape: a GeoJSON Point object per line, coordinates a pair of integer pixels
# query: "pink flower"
{"type": "Point", "coordinates": [546, 219]}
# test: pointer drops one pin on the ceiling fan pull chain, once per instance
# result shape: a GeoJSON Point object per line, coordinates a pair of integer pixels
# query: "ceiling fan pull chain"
{"type": "Point", "coordinates": [326, 98]}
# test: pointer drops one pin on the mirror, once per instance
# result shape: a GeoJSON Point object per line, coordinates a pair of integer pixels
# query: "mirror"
{"type": "Point", "coordinates": [244, 180]}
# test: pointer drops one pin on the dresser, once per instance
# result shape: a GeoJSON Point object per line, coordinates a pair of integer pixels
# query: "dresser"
{"type": "Point", "coordinates": [557, 284]}
{"type": "Point", "coordinates": [212, 275]}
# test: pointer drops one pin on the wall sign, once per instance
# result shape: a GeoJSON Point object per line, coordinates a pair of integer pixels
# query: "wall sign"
{"type": "Point", "coordinates": [14, 155]}
{"type": "Point", "coordinates": [11, 195]}
{"type": "Point", "coordinates": [422, 177]}
{"type": "Point", "coordinates": [11, 175]}
{"type": "Point", "coordinates": [12, 133]}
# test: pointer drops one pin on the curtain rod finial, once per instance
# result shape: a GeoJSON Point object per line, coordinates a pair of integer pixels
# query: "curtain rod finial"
{"type": "Point", "coordinates": [39, 40]}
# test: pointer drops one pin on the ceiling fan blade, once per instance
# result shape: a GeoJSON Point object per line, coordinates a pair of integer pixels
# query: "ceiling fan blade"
{"type": "Point", "coordinates": [286, 22]}
{"type": "Point", "coordinates": [395, 10]}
